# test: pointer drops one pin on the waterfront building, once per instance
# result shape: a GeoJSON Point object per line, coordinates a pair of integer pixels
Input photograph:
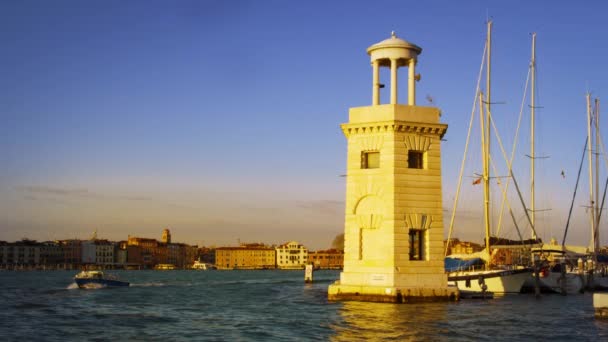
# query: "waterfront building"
{"type": "Point", "coordinates": [51, 253]}
{"type": "Point", "coordinates": [88, 252]}
{"type": "Point", "coordinates": [3, 254]}
{"type": "Point", "coordinates": [104, 252]}
{"type": "Point", "coordinates": [181, 254]}
{"type": "Point", "coordinates": [291, 255]}
{"type": "Point", "coordinates": [24, 253]}
{"type": "Point", "coordinates": [134, 255]}
{"type": "Point", "coordinates": [327, 259]}
{"type": "Point", "coordinates": [72, 251]}
{"type": "Point", "coordinates": [206, 255]}
{"type": "Point", "coordinates": [121, 257]}
{"type": "Point", "coordinates": [191, 254]}
{"type": "Point", "coordinates": [150, 252]}
{"type": "Point", "coordinates": [393, 225]}
{"type": "Point", "coordinates": [246, 256]}
{"type": "Point", "coordinates": [147, 250]}
{"type": "Point", "coordinates": [463, 247]}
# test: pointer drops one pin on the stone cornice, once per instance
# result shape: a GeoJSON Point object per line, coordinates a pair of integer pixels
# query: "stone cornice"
{"type": "Point", "coordinates": [394, 126]}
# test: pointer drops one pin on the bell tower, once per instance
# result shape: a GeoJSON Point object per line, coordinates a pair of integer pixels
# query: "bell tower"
{"type": "Point", "coordinates": [166, 236]}
{"type": "Point", "coordinates": [393, 225]}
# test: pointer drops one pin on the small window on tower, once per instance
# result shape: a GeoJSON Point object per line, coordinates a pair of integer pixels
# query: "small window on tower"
{"type": "Point", "coordinates": [370, 160]}
{"type": "Point", "coordinates": [415, 159]}
{"type": "Point", "coordinates": [416, 244]}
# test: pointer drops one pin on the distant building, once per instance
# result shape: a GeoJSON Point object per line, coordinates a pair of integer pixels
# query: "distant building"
{"type": "Point", "coordinates": [252, 256]}
{"type": "Point", "coordinates": [150, 252]}
{"type": "Point", "coordinates": [147, 249]}
{"type": "Point", "coordinates": [104, 252]}
{"type": "Point", "coordinates": [51, 253]}
{"type": "Point", "coordinates": [291, 255]}
{"type": "Point", "coordinates": [89, 252]}
{"type": "Point", "coordinates": [22, 253]}
{"type": "Point", "coordinates": [463, 247]}
{"type": "Point", "coordinates": [181, 254]}
{"type": "Point", "coordinates": [166, 236]}
{"type": "Point", "coordinates": [206, 254]}
{"type": "Point", "coordinates": [72, 251]}
{"type": "Point", "coordinates": [328, 259]}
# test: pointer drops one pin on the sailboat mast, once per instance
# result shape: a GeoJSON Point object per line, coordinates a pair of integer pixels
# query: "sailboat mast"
{"type": "Point", "coordinates": [597, 179]}
{"type": "Point", "coordinates": [485, 172]}
{"type": "Point", "coordinates": [590, 159]}
{"type": "Point", "coordinates": [486, 143]}
{"type": "Point", "coordinates": [532, 147]}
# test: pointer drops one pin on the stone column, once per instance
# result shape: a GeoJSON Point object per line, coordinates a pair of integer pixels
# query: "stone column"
{"type": "Point", "coordinates": [376, 83]}
{"type": "Point", "coordinates": [411, 86]}
{"type": "Point", "coordinates": [393, 81]}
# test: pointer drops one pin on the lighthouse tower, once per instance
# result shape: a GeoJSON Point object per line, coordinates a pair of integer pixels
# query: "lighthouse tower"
{"type": "Point", "coordinates": [393, 229]}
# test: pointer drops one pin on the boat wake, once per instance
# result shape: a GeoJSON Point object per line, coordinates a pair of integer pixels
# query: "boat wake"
{"type": "Point", "coordinates": [72, 286]}
{"type": "Point", "coordinates": [149, 285]}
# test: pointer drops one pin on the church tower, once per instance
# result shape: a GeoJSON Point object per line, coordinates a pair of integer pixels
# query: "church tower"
{"type": "Point", "coordinates": [166, 236]}
{"type": "Point", "coordinates": [393, 229]}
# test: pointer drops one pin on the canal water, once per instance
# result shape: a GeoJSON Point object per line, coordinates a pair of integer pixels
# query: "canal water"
{"type": "Point", "coordinates": [268, 306]}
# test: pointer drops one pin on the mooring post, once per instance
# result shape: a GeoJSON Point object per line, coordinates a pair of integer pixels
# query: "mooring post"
{"type": "Point", "coordinates": [308, 273]}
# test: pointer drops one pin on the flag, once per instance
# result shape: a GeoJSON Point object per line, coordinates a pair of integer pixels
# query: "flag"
{"type": "Point", "coordinates": [477, 181]}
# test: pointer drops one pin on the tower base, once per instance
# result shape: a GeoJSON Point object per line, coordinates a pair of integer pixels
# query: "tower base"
{"type": "Point", "coordinates": [366, 293]}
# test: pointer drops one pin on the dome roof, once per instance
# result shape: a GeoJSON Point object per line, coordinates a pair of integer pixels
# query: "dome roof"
{"type": "Point", "coordinates": [394, 42]}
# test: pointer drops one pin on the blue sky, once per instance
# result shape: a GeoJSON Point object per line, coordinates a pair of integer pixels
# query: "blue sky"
{"type": "Point", "coordinates": [220, 119]}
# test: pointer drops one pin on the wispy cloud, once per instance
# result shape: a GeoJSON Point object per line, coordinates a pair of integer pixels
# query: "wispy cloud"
{"type": "Point", "coordinates": [42, 190]}
{"type": "Point", "coordinates": [38, 189]}
{"type": "Point", "coordinates": [325, 207]}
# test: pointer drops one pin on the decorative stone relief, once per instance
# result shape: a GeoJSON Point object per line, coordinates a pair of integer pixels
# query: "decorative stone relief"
{"type": "Point", "coordinates": [369, 213]}
{"type": "Point", "coordinates": [418, 221]}
{"type": "Point", "coordinates": [371, 142]}
{"type": "Point", "coordinates": [417, 142]}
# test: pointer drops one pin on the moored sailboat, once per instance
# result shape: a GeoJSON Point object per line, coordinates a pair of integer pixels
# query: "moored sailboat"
{"type": "Point", "coordinates": [490, 278]}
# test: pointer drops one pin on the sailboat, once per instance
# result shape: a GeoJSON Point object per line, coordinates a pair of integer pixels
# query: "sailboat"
{"type": "Point", "coordinates": [596, 275]}
{"type": "Point", "coordinates": [489, 279]}
{"type": "Point", "coordinates": [554, 276]}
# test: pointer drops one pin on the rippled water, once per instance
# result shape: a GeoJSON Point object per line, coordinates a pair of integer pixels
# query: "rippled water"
{"type": "Point", "coordinates": [266, 306]}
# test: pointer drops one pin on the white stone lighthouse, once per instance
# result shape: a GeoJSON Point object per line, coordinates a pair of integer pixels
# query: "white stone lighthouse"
{"type": "Point", "coordinates": [393, 229]}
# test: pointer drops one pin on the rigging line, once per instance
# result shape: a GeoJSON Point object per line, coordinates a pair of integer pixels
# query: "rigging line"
{"type": "Point", "coordinates": [466, 147]}
{"type": "Point", "coordinates": [578, 177]}
{"type": "Point", "coordinates": [599, 216]}
{"type": "Point", "coordinates": [513, 148]}
{"type": "Point", "coordinates": [516, 226]}
{"type": "Point", "coordinates": [502, 149]}
{"type": "Point", "coordinates": [507, 203]}
{"type": "Point", "coordinates": [603, 148]}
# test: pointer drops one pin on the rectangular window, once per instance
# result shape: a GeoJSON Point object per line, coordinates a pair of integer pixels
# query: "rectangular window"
{"type": "Point", "coordinates": [415, 159]}
{"type": "Point", "coordinates": [416, 244]}
{"type": "Point", "coordinates": [370, 160]}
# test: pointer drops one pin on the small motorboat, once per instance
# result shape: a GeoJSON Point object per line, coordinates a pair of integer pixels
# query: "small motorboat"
{"type": "Point", "coordinates": [97, 279]}
{"type": "Point", "coordinates": [202, 266]}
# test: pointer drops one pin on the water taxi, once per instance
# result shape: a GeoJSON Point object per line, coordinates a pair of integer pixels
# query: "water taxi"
{"type": "Point", "coordinates": [97, 279]}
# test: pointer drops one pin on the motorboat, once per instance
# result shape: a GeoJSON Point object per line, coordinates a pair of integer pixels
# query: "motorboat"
{"type": "Point", "coordinates": [202, 266]}
{"type": "Point", "coordinates": [97, 279]}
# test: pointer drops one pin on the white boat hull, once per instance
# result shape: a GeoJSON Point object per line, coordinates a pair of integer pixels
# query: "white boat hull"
{"type": "Point", "coordinates": [552, 282]}
{"type": "Point", "coordinates": [496, 281]}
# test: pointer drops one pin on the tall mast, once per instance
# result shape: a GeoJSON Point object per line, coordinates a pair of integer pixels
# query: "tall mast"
{"type": "Point", "coordinates": [532, 148]}
{"type": "Point", "coordinates": [589, 157]}
{"type": "Point", "coordinates": [485, 131]}
{"type": "Point", "coordinates": [597, 179]}
{"type": "Point", "coordinates": [485, 173]}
